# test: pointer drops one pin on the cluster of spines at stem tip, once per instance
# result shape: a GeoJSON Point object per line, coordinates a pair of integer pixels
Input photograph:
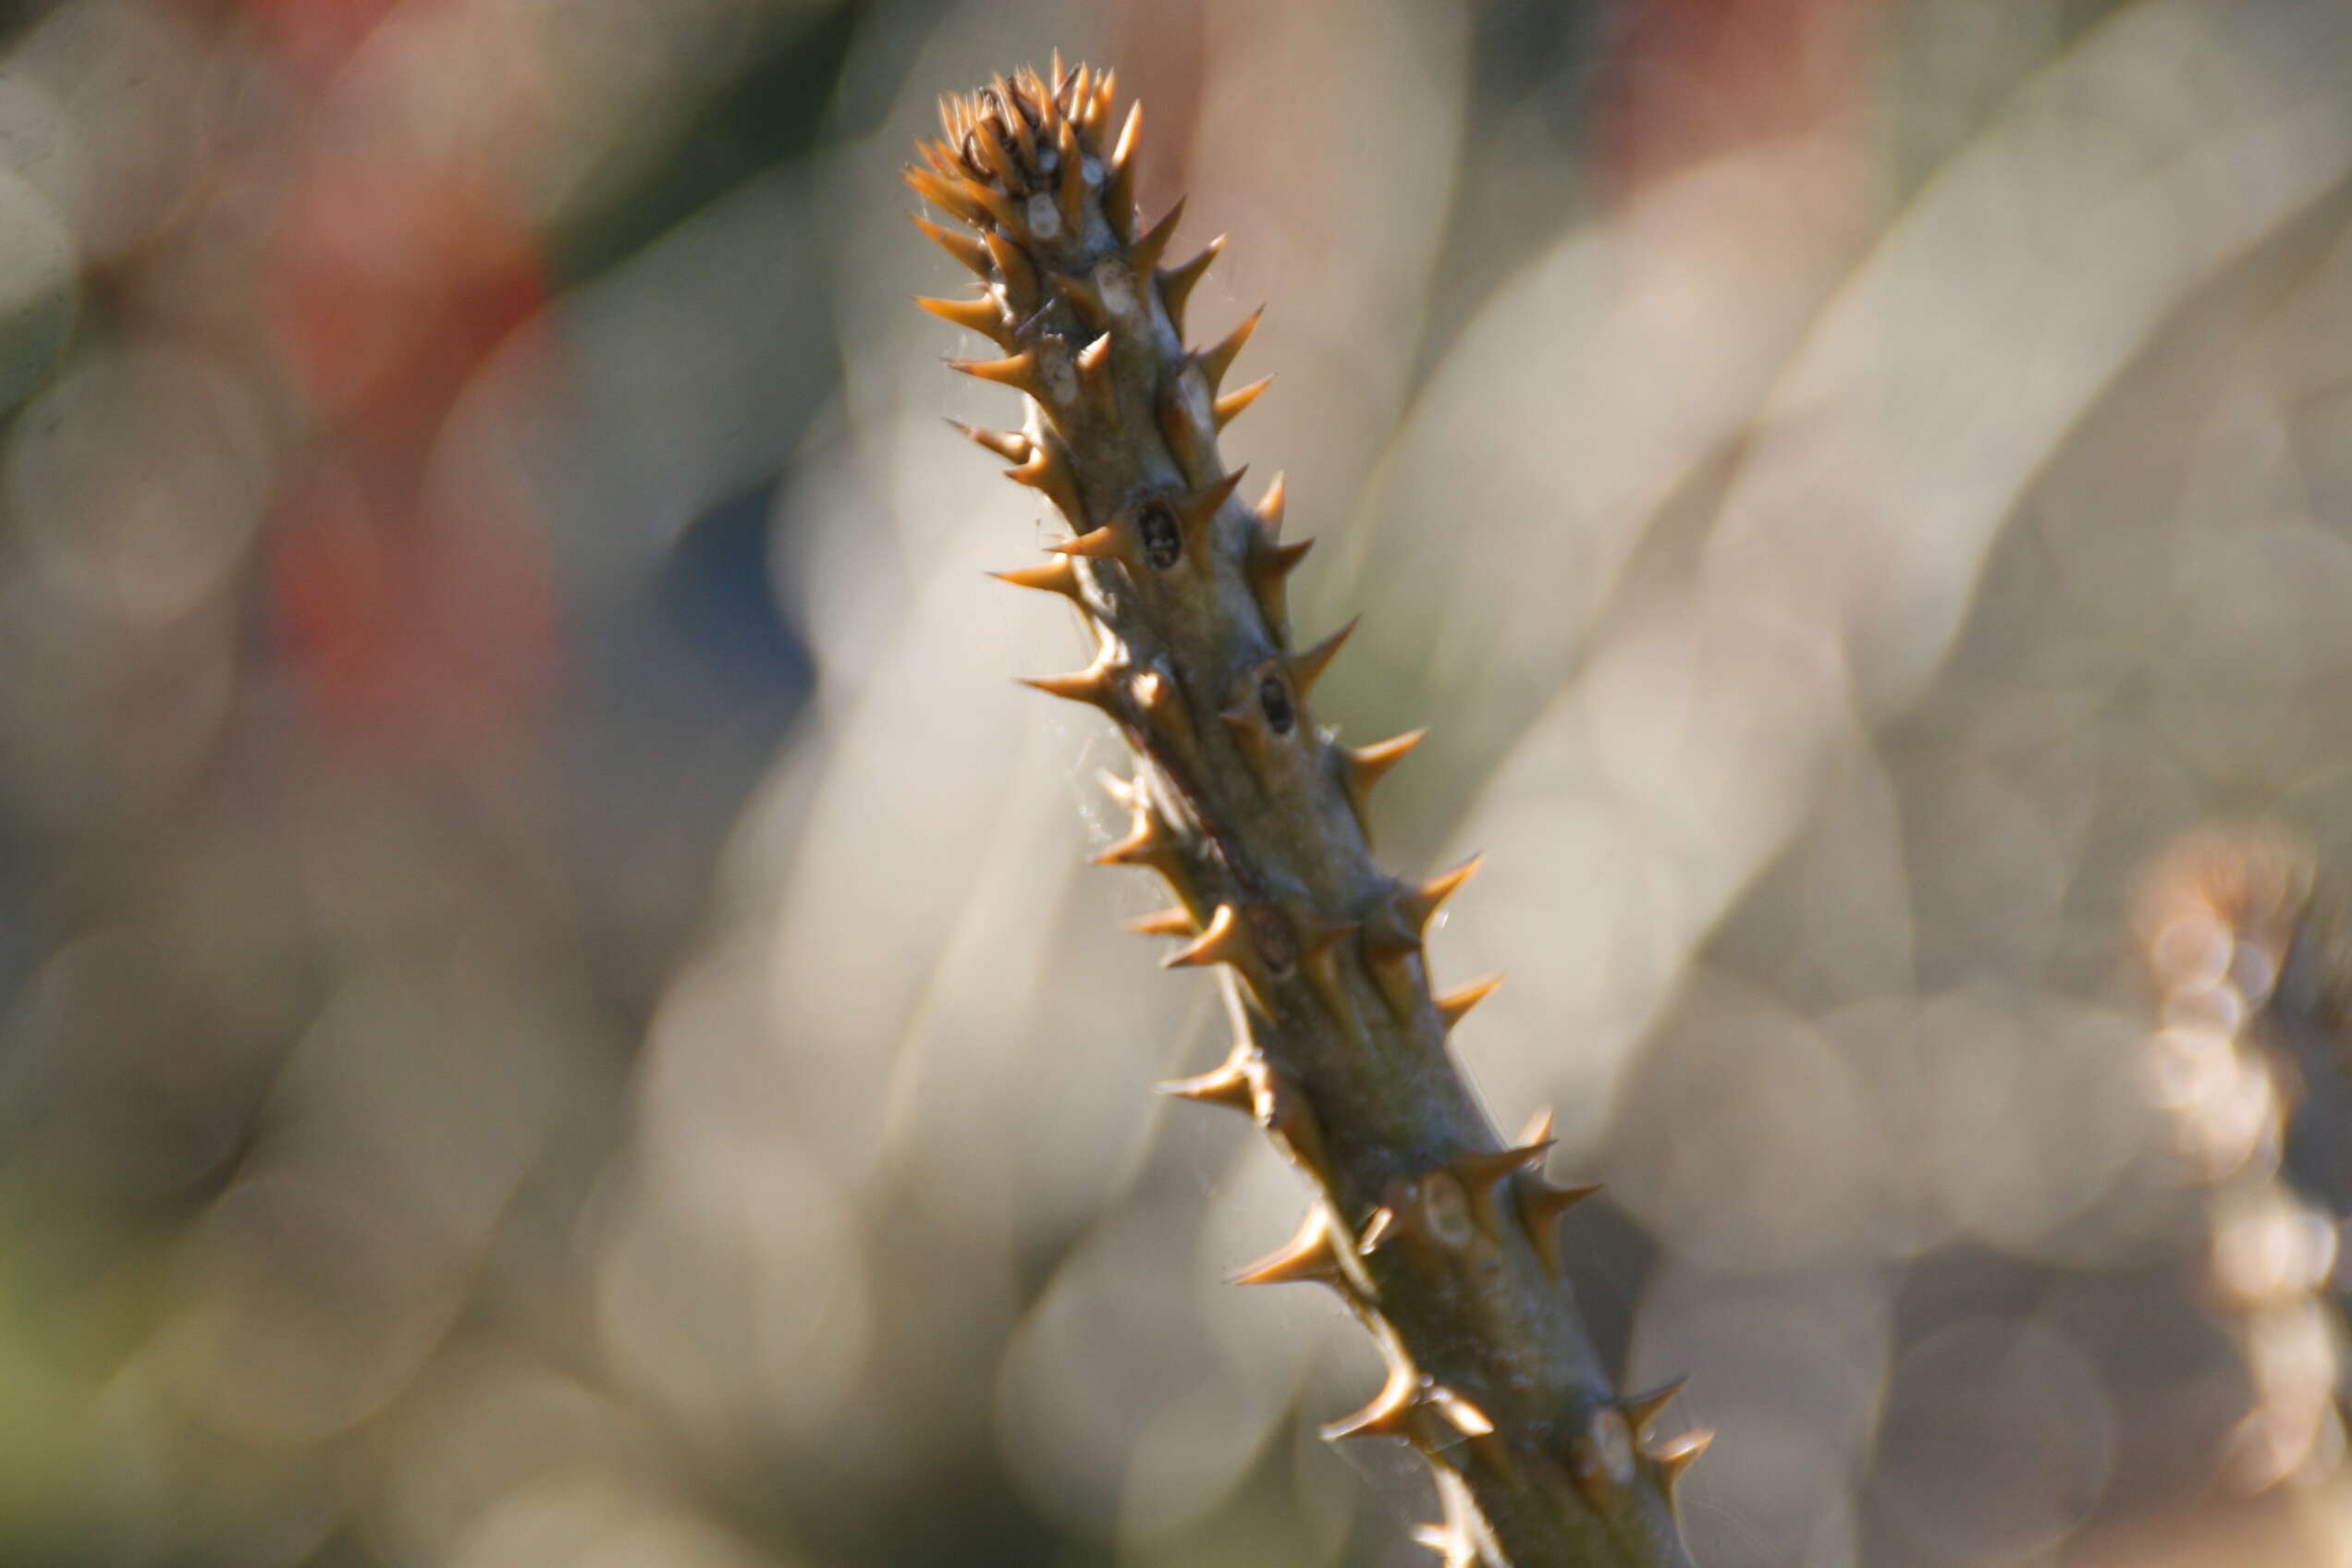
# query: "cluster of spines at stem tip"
{"type": "Point", "coordinates": [1122, 437]}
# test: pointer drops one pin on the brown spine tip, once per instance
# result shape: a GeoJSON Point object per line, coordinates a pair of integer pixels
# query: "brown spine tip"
{"type": "Point", "coordinates": [1196, 511]}
{"type": "Point", "coordinates": [993, 153]}
{"type": "Point", "coordinates": [1177, 283]}
{"type": "Point", "coordinates": [1105, 99]}
{"type": "Point", "coordinates": [1048, 471]}
{"type": "Point", "coordinates": [971, 252]}
{"type": "Point", "coordinates": [1009, 445]}
{"type": "Point", "coordinates": [1467, 1418]}
{"type": "Point", "coordinates": [1215, 361]}
{"type": "Point", "coordinates": [1421, 905]}
{"type": "Point", "coordinates": [1268, 565]}
{"type": "Point", "coordinates": [1388, 1415]}
{"type": "Point", "coordinates": [1677, 1454]}
{"type": "Point", "coordinates": [1307, 1257]}
{"type": "Point", "coordinates": [1454, 1006]}
{"type": "Point", "coordinates": [1481, 1174]}
{"type": "Point", "coordinates": [1224, 941]}
{"type": "Point", "coordinates": [1013, 265]}
{"type": "Point", "coordinates": [1016, 371]}
{"type": "Point", "coordinates": [1108, 543]}
{"type": "Point", "coordinates": [1541, 1206]}
{"type": "Point", "coordinates": [1270, 507]}
{"type": "Point", "coordinates": [1143, 255]}
{"type": "Point", "coordinates": [1228, 408]}
{"type": "Point", "coordinates": [949, 195]}
{"type": "Point", "coordinates": [1642, 1410]}
{"type": "Point", "coordinates": [1155, 693]}
{"type": "Point", "coordinates": [1233, 1084]}
{"type": "Point", "coordinates": [1118, 195]}
{"type": "Point", "coordinates": [1362, 767]}
{"type": "Point", "coordinates": [944, 165]}
{"type": "Point", "coordinates": [1024, 138]}
{"type": "Point", "coordinates": [1307, 668]}
{"type": "Point", "coordinates": [1147, 844]}
{"type": "Point", "coordinates": [1094, 380]}
{"type": "Point", "coordinates": [1091, 686]}
{"type": "Point", "coordinates": [1069, 191]}
{"type": "Point", "coordinates": [1059, 576]}
{"type": "Point", "coordinates": [1176, 921]}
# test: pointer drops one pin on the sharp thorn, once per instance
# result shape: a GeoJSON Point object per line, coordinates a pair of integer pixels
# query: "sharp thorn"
{"type": "Point", "coordinates": [1176, 284]}
{"type": "Point", "coordinates": [1146, 845]}
{"type": "Point", "coordinates": [1009, 445]}
{"type": "Point", "coordinates": [1455, 1005]}
{"type": "Point", "coordinates": [1677, 1454]}
{"type": "Point", "coordinates": [1057, 575]}
{"type": "Point", "coordinates": [1541, 1206]}
{"type": "Point", "coordinates": [1467, 1418]}
{"type": "Point", "coordinates": [1088, 686]}
{"type": "Point", "coordinates": [1175, 921]}
{"type": "Point", "coordinates": [1362, 767]}
{"type": "Point", "coordinates": [1231, 1085]}
{"type": "Point", "coordinates": [1119, 194]}
{"type": "Point", "coordinates": [1268, 565]}
{"type": "Point", "coordinates": [1156, 695]}
{"type": "Point", "coordinates": [1069, 191]}
{"type": "Point", "coordinates": [1226, 410]}
{"type": "Point", "coordinates": [1196, 511]}
{"type": "Point", "coordinates": [1642, 1410]}
{"type": "Point", "coordinates": [1094, 378]}
{"type": "Point", "coordinates": [949, 196]}
{"type": "Point", "coordinates": [1483, 1171]}
{"type": "Point", "coordinates": [1422, 903]}
{"type": "Point", "coordinates": [1143, 255]}
{"type": "Point", "coordinates": [1047, 472]}
{"type": "Point", "coordinates": [1307, 668]}
{"type": "Point", "coordinates": [1023, 138]}
{"type": "Point", "coordinates": [1307, 1258]}
{"type": "Point", "coordinates": [1269, 508]}
{"type": "Point", "coordinates": [1222, 942]}
{"type": "Point", "coordinates": [1105, 99]}
{"type": "Point", "coordinates": [1016, 371]}
{"type": "Point", "coordinates": [1388, 1415]}
{"type": "Point", "coordinates": [1013, 265]}
{"type": "Point", "coordinates": [1215, 361]}
{"type": "Point", "coordinates": [941, 156]}
{"type": "Point", "coordinates": [971, 252]}
{"type": "Point", "coordinates": [1105, 543]}
{"type": "Point", "coordinates": [993, 153]}
{"type": "Point", "coordinates": [973, 315]}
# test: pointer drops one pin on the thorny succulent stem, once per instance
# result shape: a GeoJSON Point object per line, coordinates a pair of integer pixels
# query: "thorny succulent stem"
{"type": "Point", "coordinates": [1439, 1237]}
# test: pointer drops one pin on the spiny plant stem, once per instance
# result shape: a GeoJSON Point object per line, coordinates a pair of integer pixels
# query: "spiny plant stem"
{"type": "Point", "coordinates": [1441, 1238]}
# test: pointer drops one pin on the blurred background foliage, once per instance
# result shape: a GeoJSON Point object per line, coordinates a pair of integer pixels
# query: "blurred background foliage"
{"type": "Point", "coordinates": [551, 1016]}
